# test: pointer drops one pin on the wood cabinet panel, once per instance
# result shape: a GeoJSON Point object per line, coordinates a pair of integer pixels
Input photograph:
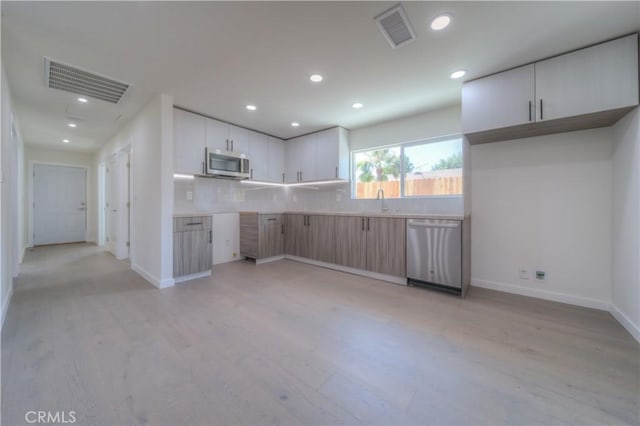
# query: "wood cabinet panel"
{"type": "Point", "coordinates": [249, 235]}
{"type": "Point", "coordinates": [271, 236]}
{"type": "Point", "coordinates": [296, 235]}
{"type": "Point", "coordinates": [192, 245]}
{"type": "Point", "coordinates": [321, 240]}
{"type": "Point", "coordinates": [350, 241]}
{"type": "Point", "coordinates": [386, 245]}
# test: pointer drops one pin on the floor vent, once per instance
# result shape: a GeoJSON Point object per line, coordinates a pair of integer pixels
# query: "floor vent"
{"type": "Point", "coordinates": [394, 24]}
{"type": "Point", "coordinates": [71, 79]}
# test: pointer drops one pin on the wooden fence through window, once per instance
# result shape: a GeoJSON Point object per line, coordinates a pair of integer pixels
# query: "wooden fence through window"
{"type": "Point", "coordinates": [444, 185]}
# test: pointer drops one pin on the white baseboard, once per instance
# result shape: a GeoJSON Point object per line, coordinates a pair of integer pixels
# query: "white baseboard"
{"type": "Point", "coordinates": [192, 276]}
{"type": "Point", "coordinates": [542, 294]}
{"type": "Point", "coordinates": [169, 282]}
{"type": "Point", "coordinates": [632, 328]}
{"type": "Point", "coordinates": [377, 276]}
{"type": "Point", "coordinates": [269, 259]}
{"type": "Point", "coordinates": [5, 305]}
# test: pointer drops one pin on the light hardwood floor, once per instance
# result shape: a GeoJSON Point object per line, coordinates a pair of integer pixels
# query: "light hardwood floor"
{"type": "Point", "coordinates": [289, 343]}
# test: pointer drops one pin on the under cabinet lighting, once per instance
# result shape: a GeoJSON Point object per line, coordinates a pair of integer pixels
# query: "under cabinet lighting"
{"type": "Point", "coordinates": [257, 182]}
{"type": "Point", "coordinates": [316, 78]}
{"type": "Point", "coordinates": [83, 100]}
{"type": "Point", "coordinates": [251, 107]}
{"type": "Point", "coordinates": [182, 176]}
{"type": "Point", "coordinates": [295, 124]}
{"type": "Point", "coordinates": [72, 125]}
{"type": "Point", "coordinates": [65, 140]}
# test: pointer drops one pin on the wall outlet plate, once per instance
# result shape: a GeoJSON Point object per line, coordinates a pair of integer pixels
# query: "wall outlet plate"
{"type": "Point", "coordinates": [523, 273]}
{"type": "Point", "coordinates": [541, 275]}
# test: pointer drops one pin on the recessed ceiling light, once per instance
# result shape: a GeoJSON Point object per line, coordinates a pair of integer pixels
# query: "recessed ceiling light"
{"type": "Point", "coordinates": [316, 78]}
{"type": "Point", "coordinates": [83, 100]}
{"type": "Point", "coordinates": [251, 107]}
{"type": "Point", "coordinates": [357, 105]}
{"type": "Point", "coordinates": [73, 125]}
{"type": "Point", "coordinates": [65, 140]}
{"type": "Point", "coordinates": [441, 22]}
{"type": "Point", "coordinates": [295, 124]}
{"type": "Point", "coordinates": [458, 74]}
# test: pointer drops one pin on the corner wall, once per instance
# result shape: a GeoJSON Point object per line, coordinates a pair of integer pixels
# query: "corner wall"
{"type": "Point", "coordinates": [11, 224]}
{"type": "Point", "coordinates": [544, 203]}
{"type": "Point", "coordinates": [150, 137]}
{"type": "Point", "coordinates": [626, 223]}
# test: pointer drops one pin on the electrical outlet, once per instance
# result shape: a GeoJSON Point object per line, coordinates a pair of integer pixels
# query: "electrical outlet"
{"type": "Point", "coordinates": [235, 254]}
{"type": "Point", "coordinates": [541, 275]}
{"type": "Point", "coordinates": [524, 274]}
{"type": "Point", "coordinates": [189, 195]}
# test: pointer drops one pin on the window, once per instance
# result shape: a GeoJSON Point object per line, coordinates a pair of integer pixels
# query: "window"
{"type": "Point", "coordinates": [418, 169]}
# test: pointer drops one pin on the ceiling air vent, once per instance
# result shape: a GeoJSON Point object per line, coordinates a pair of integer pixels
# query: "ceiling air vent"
{"type": "Point", "coordinates": [395, 25]}
{"type": "Point", "coordinates": [71, 79]}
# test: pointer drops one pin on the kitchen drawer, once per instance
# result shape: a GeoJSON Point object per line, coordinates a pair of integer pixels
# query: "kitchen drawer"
{"type": "Point", "coordinates": [192, 223]}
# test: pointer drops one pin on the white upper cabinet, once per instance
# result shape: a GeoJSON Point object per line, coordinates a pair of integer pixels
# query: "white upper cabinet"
{"type": "Point", "coordinates": [217, 135]}
{"type": "Point", "coordinates": [292, 152]}
{"type": "Point", "coordinates": [276, 160]}
{"type": "Point", "coordinates": [238, 139]}
{"type": "Point", "coordinates": [500, 100]}
{"type": "Point", "coordinates": [226, 137]}
{"type": "Point", "coordinates": [188, 142]}
{"type": "Point", "coordinates": [258, 156]}
{"type": "Point", "coordinates": [333, 154]}
{"type": "Point", "coordinates": [598, 78]}
{"type": "Point", "coordinates": [587, 88]}
{"type": "Point", "coordinates": [319, 156]}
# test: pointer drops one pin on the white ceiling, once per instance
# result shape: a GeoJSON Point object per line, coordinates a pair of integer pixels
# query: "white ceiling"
{"type": "Point", "coordinates": [216, 57]}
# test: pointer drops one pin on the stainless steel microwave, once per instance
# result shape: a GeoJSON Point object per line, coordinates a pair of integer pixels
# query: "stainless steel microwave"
{"type": "Point", "coordinates": [227, 165]}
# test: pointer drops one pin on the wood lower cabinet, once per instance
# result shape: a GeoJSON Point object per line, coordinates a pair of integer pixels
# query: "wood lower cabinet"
{"type": "Point", "coordinates": [296, 235]}
{"type": "Point", "coordinates": [386, 245]}
{"type": "Point", "coordinates": [192, 245]}
{"type": "Point", "coordinates": [310, 236]}
{"type": "Point", "coordinates": [320, 238]}
{"type": "Point", "coordinates": [376, 244]}
{"type": "Point", "coordinates": [261, 235]}
{"type": "Point", "coordinates": [351, 241]}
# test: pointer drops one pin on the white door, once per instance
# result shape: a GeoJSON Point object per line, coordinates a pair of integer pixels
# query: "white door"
{"type": "Point", "coordinates": [117, 205]}
{"type": "Point", "coordinates": [59, 204]}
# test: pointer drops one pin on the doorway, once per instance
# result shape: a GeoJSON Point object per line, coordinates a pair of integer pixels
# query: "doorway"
{"type": "Point", "coordinates": [117, 204]}
{"type": "Point", "coordinates": [59, 204]}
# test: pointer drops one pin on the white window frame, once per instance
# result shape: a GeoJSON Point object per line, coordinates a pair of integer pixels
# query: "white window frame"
{"type": "Point", "coordinates": [402, 147]}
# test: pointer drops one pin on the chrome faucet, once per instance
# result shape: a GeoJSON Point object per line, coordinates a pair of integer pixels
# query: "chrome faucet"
{"type": "Point", "coordinates": [380, 196]}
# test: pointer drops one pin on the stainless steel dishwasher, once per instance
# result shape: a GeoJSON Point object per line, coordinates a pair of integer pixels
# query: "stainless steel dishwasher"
{"type": "Point", "coordinates": [434, 253]}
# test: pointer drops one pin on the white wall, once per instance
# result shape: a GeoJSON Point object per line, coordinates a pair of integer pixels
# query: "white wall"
{"type": "Point", "coordinates": [40, 154]}
{"type": "Point", "coordinates": [150, 137]}
{"type": "Point", "coordinates": [544, 203]}
{"type": "Point", "coordinates": [626, 223]}
{"type": "Point", "coordinates": [11, 225]}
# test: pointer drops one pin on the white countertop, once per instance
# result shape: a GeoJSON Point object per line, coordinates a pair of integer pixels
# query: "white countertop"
{"type": "Point", "coordinates": [329, 213]}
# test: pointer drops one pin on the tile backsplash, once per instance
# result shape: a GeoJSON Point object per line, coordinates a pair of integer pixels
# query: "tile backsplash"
{"type": "Point", "coordinates": [221, 196]}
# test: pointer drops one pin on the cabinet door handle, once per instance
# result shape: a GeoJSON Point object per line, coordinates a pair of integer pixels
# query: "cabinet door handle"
{"type": "Point", "coordinates": [271, 219]}
{"type": "Point", "coordinates": [541, 117]}
{"type": "Point", "coordinates": [300, 176]}
{"type": "Point", "coordinates": [193, 223]}
{"type": "Point", "coordinates": [362, 223]}
{"type": "Point", "coordinates": [227, 144]}
{"type": "Point", "coordinates": [368, 219]}
{"type": "Point", "coordinates": [282, 228]}
{"type": "Point", "coordinates": [203, 170]}
{"type": "Point", "coordinates": [251, 173]}
{"type": "Point", "coordinates": [231, 144]}
{"type": "Point", "coordinates": [283, 178]}
{"type": "Point", "coordinates": [529, 110]}
{"type": "Point", "coordinates": [210, 236]}
{"type": "Point", "coordinates": [336, 171]}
